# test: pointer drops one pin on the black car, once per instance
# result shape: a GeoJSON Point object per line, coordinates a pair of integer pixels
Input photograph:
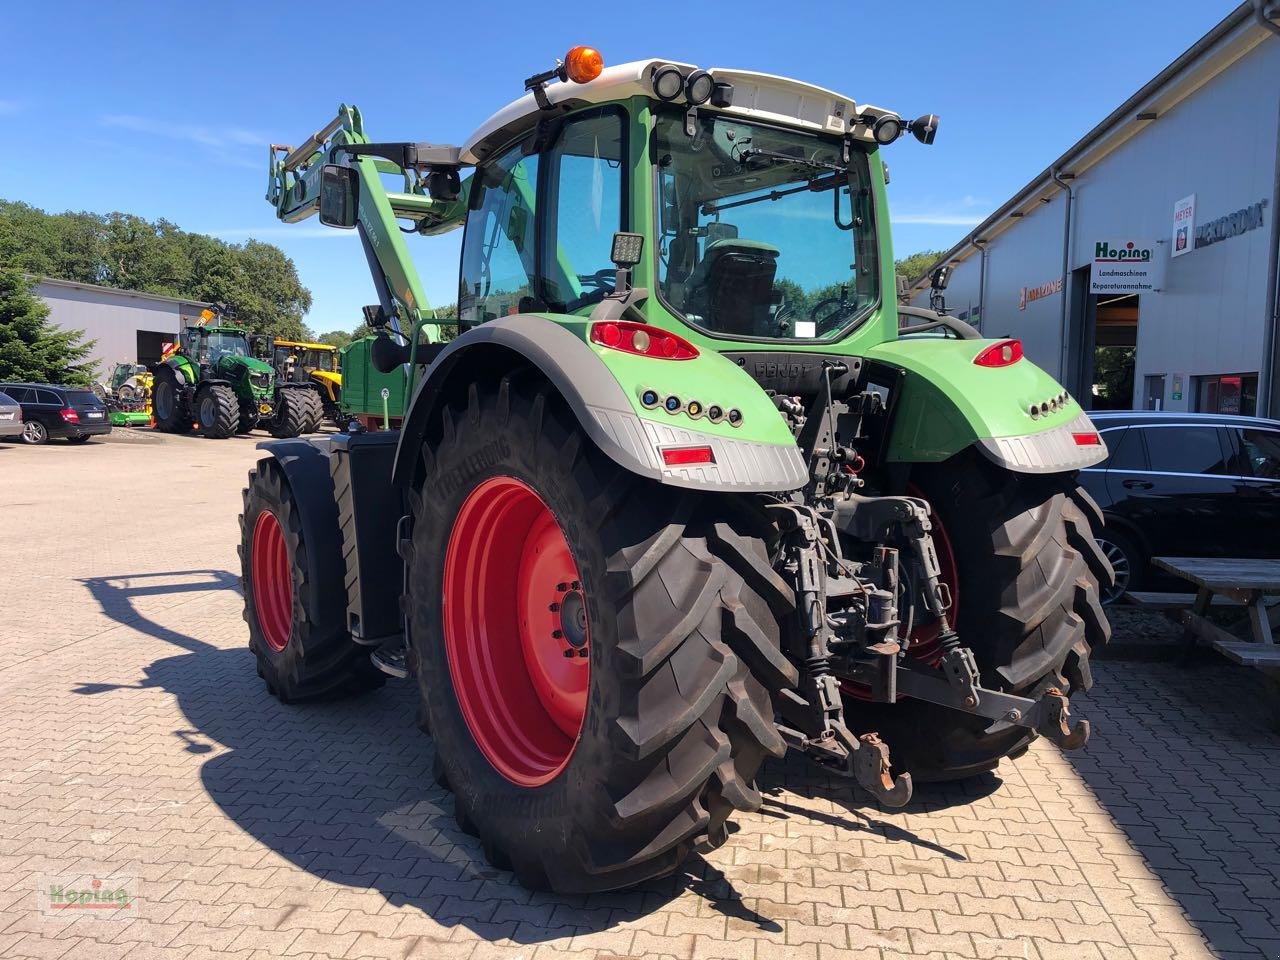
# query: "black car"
{"type": "Point", "coordinates": [52, 412]}
{"type": "Point", "coordinates": [1185, 485]}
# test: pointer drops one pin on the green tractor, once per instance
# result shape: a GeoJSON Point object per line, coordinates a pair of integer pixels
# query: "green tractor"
{"type": "Point", "coordinates": [211, 380]}
{"type": "Point", "coordinates": [677, 498]}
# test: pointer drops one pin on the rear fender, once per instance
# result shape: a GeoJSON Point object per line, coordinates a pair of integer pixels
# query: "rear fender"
{"type": "Point", "coordinates": [947, 403]}
{"type": "Point", "coordinates": [603, 408]}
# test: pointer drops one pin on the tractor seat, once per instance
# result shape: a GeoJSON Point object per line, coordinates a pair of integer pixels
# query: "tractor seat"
{"type": "Point", "coordinates": [732, 286]}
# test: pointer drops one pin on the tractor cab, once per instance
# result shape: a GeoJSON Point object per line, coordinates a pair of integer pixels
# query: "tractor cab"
{"type": "Point", "coordinates": [210, 346]}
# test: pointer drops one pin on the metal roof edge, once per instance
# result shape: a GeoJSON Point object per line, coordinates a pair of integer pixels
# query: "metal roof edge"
{"type": "Point", "coordinates": [1240, 16]}
{"type": "Point", "coordinates": [77, 285]}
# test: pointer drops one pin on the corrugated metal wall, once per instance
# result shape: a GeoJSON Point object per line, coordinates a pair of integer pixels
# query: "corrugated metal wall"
{"type": "Point", "coordinates": [113, 318]}
{"type": "Point", "coordinates": [1208, 316]}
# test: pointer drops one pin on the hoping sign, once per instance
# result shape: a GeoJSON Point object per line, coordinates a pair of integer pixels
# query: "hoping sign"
{"type": "Point", "coordinates": [1122, 268]}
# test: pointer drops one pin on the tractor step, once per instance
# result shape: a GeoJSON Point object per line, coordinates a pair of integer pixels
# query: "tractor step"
{"type": "Point", "coordinates": [391, 661]}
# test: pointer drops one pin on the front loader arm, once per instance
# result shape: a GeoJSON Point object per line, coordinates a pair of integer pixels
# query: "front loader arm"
{"type": "Point", "coordinates": [294, 190]}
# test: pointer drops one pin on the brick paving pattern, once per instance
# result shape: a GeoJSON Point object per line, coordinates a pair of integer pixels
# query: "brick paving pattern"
{"type": "Point", "coordinates": [138, 742]}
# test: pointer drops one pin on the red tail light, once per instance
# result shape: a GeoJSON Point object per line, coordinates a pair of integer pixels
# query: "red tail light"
{"type": "Point", "coordinates": [69, 415]}
{"type": "Point", "coordinates": [642, 340]}
{"type": "Point", "coordinates": [1000, 354]}
{"type": "Point", "coordinates": [1087, 439]}
{"type": "Point", "coordinates": [684, 456]}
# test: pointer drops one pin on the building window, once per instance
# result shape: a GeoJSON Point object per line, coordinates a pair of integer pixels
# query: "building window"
{"type": "Point", "coordinates": [1229, 393]}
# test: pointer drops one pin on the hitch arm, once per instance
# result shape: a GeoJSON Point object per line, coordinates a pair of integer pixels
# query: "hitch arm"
{"type": "Point", "coordinates": [1047, 716]}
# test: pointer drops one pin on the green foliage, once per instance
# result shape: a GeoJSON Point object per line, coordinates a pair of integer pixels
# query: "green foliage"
{"type": "Point", "coordinates": [1113, 369]}
{"type": "Point", "coordinates": [131, 253]}
{"type": "Point", "coordinates": [917, 264]}
{"type": "Point", "coordinates": [31, 347]}
{"type": "Point", "coordinates": [334, 338]}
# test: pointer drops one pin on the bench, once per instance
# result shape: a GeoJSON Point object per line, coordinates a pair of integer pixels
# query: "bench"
{"type": "Point", "coordinates": [1253, 584]}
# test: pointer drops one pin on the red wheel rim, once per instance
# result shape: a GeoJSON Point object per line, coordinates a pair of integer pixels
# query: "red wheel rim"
{"type": "Point", "coordinates": [515, 631]}
{"type": "Point", "coordinates": [272, 581]}
{"type": "Point", "coordinates": [924, 645]}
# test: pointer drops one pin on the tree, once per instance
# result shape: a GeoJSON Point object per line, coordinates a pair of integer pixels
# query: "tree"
{"type": "Point", "coordinates": [335, 338]}
{"type": "Point", "coordinates": [31, 347]}
{"type": "Point", "coordinates": [128, 252]}
{"type": "Point", "coordinates": [917, 264]}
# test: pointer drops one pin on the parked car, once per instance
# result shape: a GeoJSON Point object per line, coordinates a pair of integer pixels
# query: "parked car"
{"type": "Point", "coordinates": [10, 416]}
{"type": "Point", "coordinates": [53, 412]}
{"type": "Point", "coordinates": [1186, 485]}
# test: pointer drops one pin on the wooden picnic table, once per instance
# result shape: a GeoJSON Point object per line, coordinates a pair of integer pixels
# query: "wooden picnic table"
{"type": "Point", "coordinates": [1255, 584]}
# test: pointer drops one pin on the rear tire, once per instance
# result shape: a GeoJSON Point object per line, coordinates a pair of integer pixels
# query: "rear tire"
{"type": "Point", "coordinates": [1029, 575]}
{"type": "Point", "coordinates": [314, 412]}
{"type": "Point", "coordinates": [167, 404]}
{"type": "Point", "coordinates": [218, 411]}
{"type": "Point", "coordinates": [676, 713]}
{"type": "Point", "coordinates": [291, 415]}
{"type": "Point", "coordinates": [297, 627]}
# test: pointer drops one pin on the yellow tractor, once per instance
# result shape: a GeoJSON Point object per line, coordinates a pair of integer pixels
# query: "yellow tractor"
{"type": "Point", "coordinates": [312, 363]}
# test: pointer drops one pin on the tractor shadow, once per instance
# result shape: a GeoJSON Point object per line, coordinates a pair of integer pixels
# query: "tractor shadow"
{"type": "Point", "coordinates": [783, 783]}
{"type": "Point", "coordinates": [343, 789]}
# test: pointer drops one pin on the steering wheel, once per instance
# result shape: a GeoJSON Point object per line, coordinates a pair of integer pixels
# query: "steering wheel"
{"type": "Point", "coordinates": [824, 317]}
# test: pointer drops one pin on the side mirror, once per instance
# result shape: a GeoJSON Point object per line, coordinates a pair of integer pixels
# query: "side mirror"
{"type": "Point", "coordinates": [924, 128]}
{"type": "Point", "coordinates": [339, 195]}
{"type": "Point", "coordinates": [940, 277]}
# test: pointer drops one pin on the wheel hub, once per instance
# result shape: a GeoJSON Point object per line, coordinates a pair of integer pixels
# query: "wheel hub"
{"type": "Point", "coordinates": [573, 620]}
{"type": "Point", "coordinates": [516, 631]}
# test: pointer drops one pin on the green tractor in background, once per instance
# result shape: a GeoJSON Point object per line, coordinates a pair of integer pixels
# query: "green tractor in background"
{"type": "Point", "coordinates": [211, 380]}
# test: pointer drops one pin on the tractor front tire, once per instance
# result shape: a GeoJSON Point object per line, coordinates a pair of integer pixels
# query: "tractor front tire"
{"type": "Point", "coordinates": [597, 652]}
{"type": "Point", "coordinates": [295, 599]}
{"type": "Point", "coordinates": [218, 411]}
{"type": "Point", "coordinates": [292, 411]}
{"type": "Point", "coordinates": [168, 406]}
{"type": "Point", "coordinates": [1029, 578]}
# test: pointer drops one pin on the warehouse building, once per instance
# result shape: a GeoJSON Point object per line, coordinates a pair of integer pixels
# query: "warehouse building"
{"type": "Point", "coordinates": [128, 326]}
{"type": "Point", "coordinates": [1140, 267]}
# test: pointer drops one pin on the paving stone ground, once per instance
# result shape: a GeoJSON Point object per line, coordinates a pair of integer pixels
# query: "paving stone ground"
{"type": "Point", "coordinates": [138, 745]}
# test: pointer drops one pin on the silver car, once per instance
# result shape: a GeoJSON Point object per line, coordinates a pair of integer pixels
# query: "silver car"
{"type": "Point", "coordinates": [10, 416]}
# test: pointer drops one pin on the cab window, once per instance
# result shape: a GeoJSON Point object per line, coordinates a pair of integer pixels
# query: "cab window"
{"type": "Point", "coordinates": [540, 229]}
{"type": "Point", "coordinates": [584, 186]}
{"type": "Point", "coordinates": [498, 248]}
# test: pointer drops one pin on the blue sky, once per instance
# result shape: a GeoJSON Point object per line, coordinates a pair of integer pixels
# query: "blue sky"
{"type": "Point", "coordinates": [166, 109]}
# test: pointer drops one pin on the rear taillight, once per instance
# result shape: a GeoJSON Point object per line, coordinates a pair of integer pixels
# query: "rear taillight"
{"type": "Point", "coordinates": [642, 340]}
{"type": "Point", "coordinates": [1000, 354]}
{"type": "Point", "coordinates": [1087, 439]}
{"type": "Point", "coordinates": [687, 456]}
{"type": "Point", "coordinates": [69, 415]}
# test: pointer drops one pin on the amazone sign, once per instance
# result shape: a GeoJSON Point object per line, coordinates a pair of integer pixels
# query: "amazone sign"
{"type": "Point", "coordinates": [1031, 294]}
